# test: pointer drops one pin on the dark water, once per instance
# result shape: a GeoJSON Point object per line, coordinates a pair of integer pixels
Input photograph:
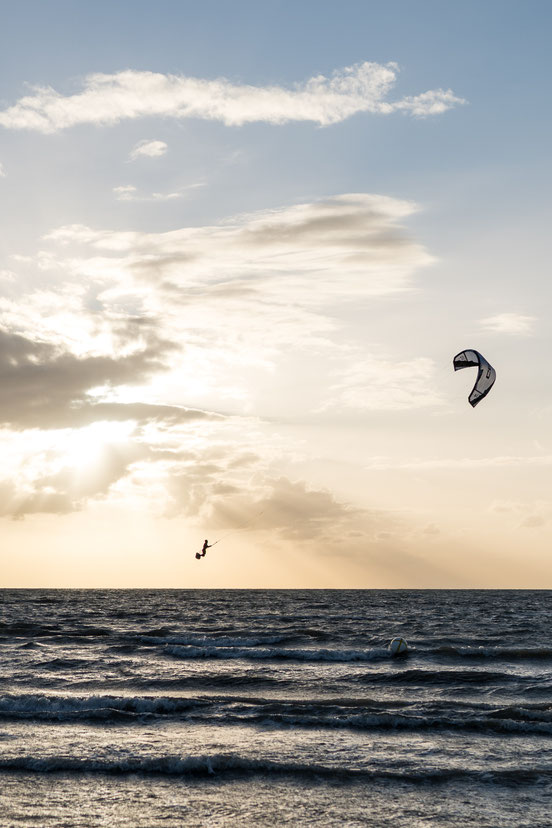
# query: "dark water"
{"type": "Point", "coordinates": [168, 708]}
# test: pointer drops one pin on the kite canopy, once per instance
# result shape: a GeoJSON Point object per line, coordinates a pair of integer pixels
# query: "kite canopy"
{"type": "Point", "coordinates": [486, 374]}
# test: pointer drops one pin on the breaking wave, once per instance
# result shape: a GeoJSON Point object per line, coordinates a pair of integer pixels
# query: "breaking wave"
{"type": "Point", "coordinates": [356, 714]}
{"type": "Point", "coordinates": [276, 653]}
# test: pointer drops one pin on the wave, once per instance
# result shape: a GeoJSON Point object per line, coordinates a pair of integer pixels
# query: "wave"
{"type": "Point", "coordinates": [66, 708]}
{"type": "Point", "coordinates": [275, 653]}
{"type": "Point", "coordinates": [203, 642]}
{"type": "Point", "coordinates": [64, 664]}
{"type": "Point", "coordinates": [494, 652]}
{"type": "Point", "coordinates": [355, 714]}
{"type": "Point", "coordinates": [259, 648]}
{"type": "Point", "coordinates": [209, 680]}
{"type": "Point", "coordinates": [59, 635]}
{"type": "Point", "coordinates": [232, 764]}
{"type": "Point", "coordinates": [435, 678]}
{"type": "Point", "coordinates": [389, 722]}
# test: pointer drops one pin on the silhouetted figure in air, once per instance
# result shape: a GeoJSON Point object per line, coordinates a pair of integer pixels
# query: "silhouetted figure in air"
{"type": "Point", "coordinates": [204, 548]}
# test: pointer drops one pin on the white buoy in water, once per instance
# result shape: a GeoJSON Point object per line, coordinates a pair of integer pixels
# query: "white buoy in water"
{"type": "Point", "coordinates": [398, 646]}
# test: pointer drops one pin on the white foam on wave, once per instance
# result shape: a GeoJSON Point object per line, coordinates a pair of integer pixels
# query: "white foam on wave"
{"type": "Point", "coordinates": [276, 653]}
{"type": "Point", "coordinates": [495, 652]}
{"type": "Point", "coordinates": [530, 719]}
{"type": "Point", "coordinates": [218, 641]}
{"type": "Point", "coordinates": [41, 706]}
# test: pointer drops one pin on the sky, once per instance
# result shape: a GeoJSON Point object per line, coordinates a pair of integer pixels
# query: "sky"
{"type": "Point", "coordinates": [241, 244]}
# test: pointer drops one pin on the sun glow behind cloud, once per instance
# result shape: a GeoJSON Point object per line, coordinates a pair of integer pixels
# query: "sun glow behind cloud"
{"type": "Point", "coordinates": [82, 447]}
{"type": "Point", "coordinates": [181, 324]}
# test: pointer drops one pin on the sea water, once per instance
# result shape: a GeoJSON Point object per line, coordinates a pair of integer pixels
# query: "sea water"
{"type": "Point", "coordinates": [166, 708]}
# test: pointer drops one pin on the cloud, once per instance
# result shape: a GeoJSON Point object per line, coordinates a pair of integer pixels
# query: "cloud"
{"type": "Point", "coordinates": [148, 149]}
{"type": "Point", "coordinates": [345, 245]}
{"type": "Point", "coordinates": [109, 99]}
{"type": "Point", "coordinates": [155, 332]}
{"type": "Point", "coordinates": [47, 387]}
{"type": "Point", "coordinates": [2, 171]}
{"type": "Point", "coordinates": [534, 522]}
{"type": "Point", "coordinates": [526, 515]}
{"type": "Point", "coordinates": [294, 510]}
{"type": "Point", "coordinates": [136, 462]}
{"type": "Point", "coordinates": [240, 297]}
{"type": "Point", "coordinates": [59, 471]}
{"type": "Point", "coordinates": [515, 324]}
{"type": "Point", "coordinates": [128, 192]}
{"type": "Point", "coordinates": [297, 511]}
{"type": "Point", "coordinates": [319, 527]}
{"type": "Point", "coordinates": [383, 385]}
{"type": "Point", "coordinates": [246, 293]}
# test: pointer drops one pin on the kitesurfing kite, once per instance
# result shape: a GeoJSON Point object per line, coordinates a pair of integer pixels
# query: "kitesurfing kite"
{"type": "Point", "coordinates": [486, 374]}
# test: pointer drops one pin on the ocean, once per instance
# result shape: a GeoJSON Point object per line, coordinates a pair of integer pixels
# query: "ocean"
{"type": "Point", "coordinates": [137, 708]}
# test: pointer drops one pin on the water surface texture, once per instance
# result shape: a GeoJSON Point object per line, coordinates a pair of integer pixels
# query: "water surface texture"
{"type": "Point", "coordinates": [165, 708]}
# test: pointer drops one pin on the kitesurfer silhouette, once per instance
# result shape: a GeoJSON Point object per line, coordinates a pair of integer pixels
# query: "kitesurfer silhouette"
{"type": "Point", "coordinates": [204, 548]}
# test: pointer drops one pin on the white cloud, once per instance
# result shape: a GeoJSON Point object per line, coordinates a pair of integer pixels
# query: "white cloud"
{"type": "Point", "coordinates": [516, 324]}
{"type": "Point", "coordinates": [335, 249]}
{"type": "Point", "coordinates": [148, 149]}
{"type": "Point", "coordinates": [2, 171]}
{"type": "Point", "coordinates": [126, 192]}
{"type": "Point", "coordinates": [163, 329]}
{"type": "Point", "coordinates": [165, 196]}
{"type": "Point", "coordinates": [241, 296]}
{"type": "Point", "coordinates": [108, 99]}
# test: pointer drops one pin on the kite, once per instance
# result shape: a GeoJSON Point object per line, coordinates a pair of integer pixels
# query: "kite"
{"type": "Point", "coordinates": [486, 374]}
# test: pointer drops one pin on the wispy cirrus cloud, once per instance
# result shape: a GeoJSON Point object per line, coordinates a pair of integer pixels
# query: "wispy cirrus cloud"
{"type": "Point", "coordinates": [516, 324]}
{"type": "Point", "coordinates": [346, 245]}
{"type": "Point", "coordinates": [148, 149]}
{"type": "Point", "coordinates": [108, 99]}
